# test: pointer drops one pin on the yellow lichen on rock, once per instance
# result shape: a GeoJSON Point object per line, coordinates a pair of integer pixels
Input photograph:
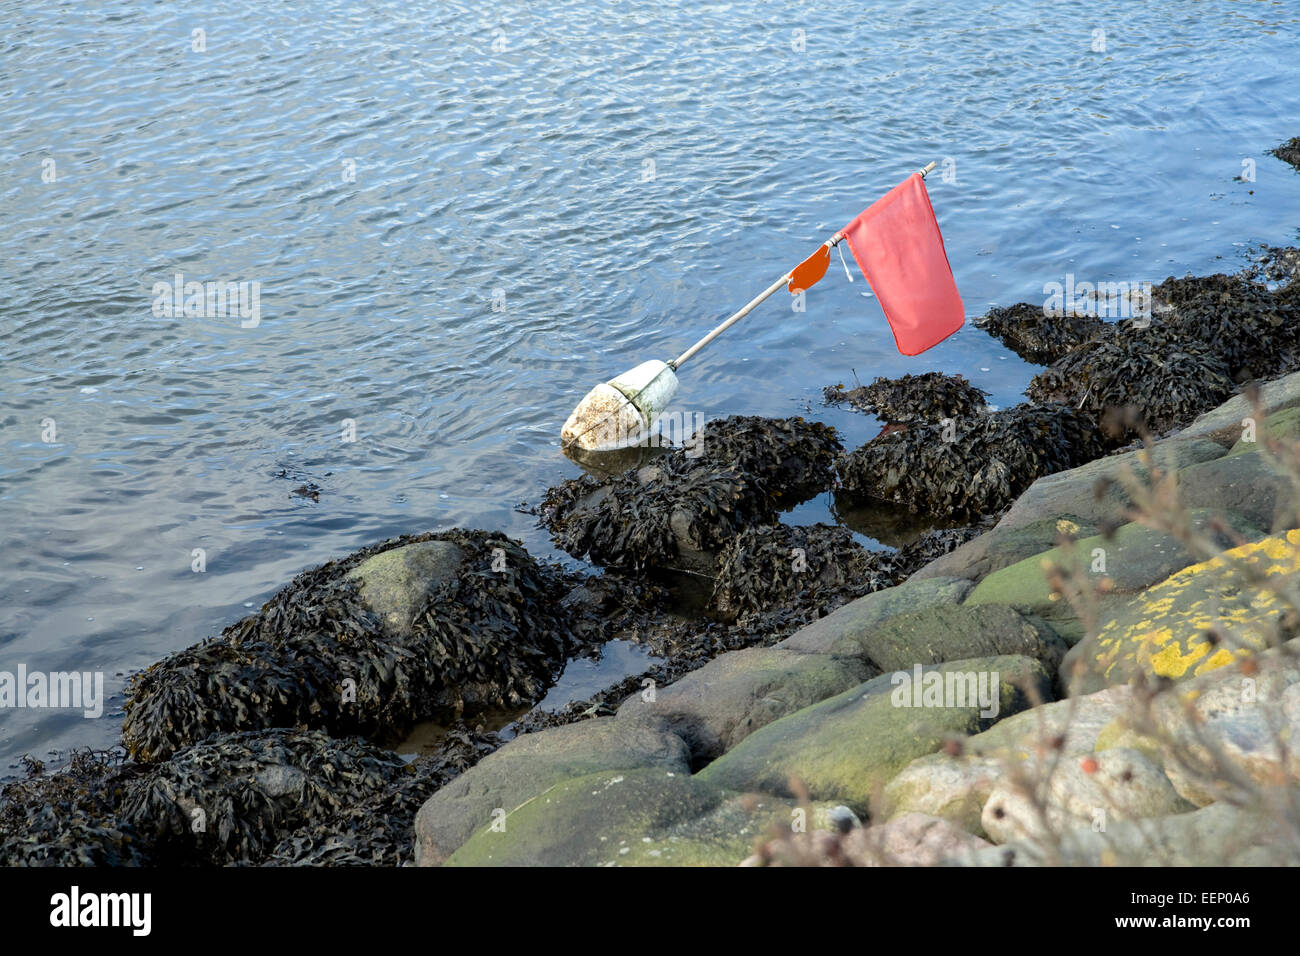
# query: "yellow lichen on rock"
{"type": "Point", "coordinates": [1201, 618]}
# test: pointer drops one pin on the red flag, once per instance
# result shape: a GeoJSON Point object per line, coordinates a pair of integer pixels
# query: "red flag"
{"type": "Point", "coordinates": [897, 245]}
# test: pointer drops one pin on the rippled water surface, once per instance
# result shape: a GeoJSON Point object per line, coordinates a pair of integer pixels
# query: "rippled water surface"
{"type": "Point", "coordinates": [613, 178]}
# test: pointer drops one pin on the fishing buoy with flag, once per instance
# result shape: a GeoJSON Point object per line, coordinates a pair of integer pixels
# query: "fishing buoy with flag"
{"type": "Point", "coordinates": [895, 242]}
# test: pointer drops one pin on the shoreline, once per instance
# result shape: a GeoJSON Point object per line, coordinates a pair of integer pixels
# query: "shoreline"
{"type": "Point", "coordinates": [461, 622]}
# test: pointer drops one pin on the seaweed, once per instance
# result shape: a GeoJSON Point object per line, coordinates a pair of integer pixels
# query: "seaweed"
{"type": "Point", "coordinates": [978, 468]}
{"type": "Point", "coordinates": [1242, 322]}
{"type": "Point", "coordinates": [1165, 376]}
{"type": "Point", "coordinates": [68, 817]}
{"type": "Point", "coordinates": [929, 397]}
{"type": "Point", "coordinates": [1289, 152]}
{"type": "Point", "coordinates": [231, 798]}
{"type": "Point", "coordinates": [1036, 335]}
{"type": "Point", "coordinates": [733, 474]}
{"type": "Point", "coordinates": [316, 656]}
{"type": "Point", "coordinates": [811, 569]}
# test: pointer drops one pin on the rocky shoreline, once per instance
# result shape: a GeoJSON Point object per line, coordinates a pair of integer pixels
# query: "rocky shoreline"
{"type": "Point", "coordinates": [1111, 560]}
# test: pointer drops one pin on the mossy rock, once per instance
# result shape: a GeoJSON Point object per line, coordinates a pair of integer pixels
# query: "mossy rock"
{"type": "Point", "coordinates": [847, 748]}
{"type": "Point", "coordinates": [1282, 426]}
{"type": "Point", "coordinates": [1223, 424]}
{"type": "Point", "coordinates": [1001, 547]}
{"type": "Point", "coordinates": [715, 707]}
{"type": "Point", "coordinates": [635, 817]}
{"type": "Point", "coordinates": [1252, 484]}
{"type": "Point", "coordinates": [1133, 558]}
{"type": "Point", "coordinates": [1171, 630]}
{"type": "Point", "coordinates": [958, 633]}
{"type": "Point", "coordinates": [842, 629]}
{"type": "Point", "coordinates": [530, 764]}
{"type": "Point", "coordinates": [1093, 491]}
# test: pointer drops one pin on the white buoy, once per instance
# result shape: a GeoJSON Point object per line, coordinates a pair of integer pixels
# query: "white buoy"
{"type": "Point", "coordinates": [621, 412]}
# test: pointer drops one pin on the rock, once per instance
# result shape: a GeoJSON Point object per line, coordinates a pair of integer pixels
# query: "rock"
{"type": "Point", "coordinates": [1282, 427]}
{"type": "Point", "coordinates": [1218, 835]}
{"type": "Point", "coordinates": [396, 584]}
{"type": "Point", "coordinates": [911, 839]}
{"type": "Point", "coordinates": [531, 764]}
{"type": "Point", "coordinates": [1132, 558]}
{"type": "Point", "coordinates": [1232, 733]}
{"type": "Point", "coordinates": [1043, 798]}
{"type": "Point", "coordinates": [1069, 727]}
{"type": "Point", "coordinates": [958, 633]}
{"type": "Point", "coordinates": [1224, 424]}
{"type": "Point", "coordinates": [1093, 491]}
{"type": "Point", "coordinates": [636, 817]}
{"type": "Point", "coordinates": [718, 705]}
{"type": "Point", "coordinates": [1257, 490]}
{"type": "Point", "coordinates": [1172, 629]}
{"type": "Point", "coordinates": [436, 642]}
{"type": "Point", "coordinates": [975, 466]}
{"type": "Point", "coordinates": [840, 631]}
{"type": "Point", "coordinates": [954, 788]}
{"type": "Point", "coordinates": [1001, 547]}
{"type": "Point", "coordinates": [846, 748]}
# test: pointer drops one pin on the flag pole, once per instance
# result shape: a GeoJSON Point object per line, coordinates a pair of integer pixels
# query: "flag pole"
{"type": "Point", "coordinates": [754, 302]}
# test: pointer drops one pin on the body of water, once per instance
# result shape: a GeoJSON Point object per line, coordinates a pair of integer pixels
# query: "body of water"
{"type": "Point", "coordinates": [462, 217]}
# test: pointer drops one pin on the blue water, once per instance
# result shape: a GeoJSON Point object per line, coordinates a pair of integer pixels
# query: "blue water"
{"type": "Point", "coordinates": [388, 172]}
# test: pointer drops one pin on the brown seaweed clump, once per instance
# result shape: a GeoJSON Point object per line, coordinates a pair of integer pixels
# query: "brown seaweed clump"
{"type": "Point", "coordinates": [483, 629]}
{"type": "Point", "coordinates": [231, 798]}
{"type": "Point", "coordinates": [782, 567]}
{"type": "Point", "coordinates": [68, 817]}
{"type": "Point", "coordinates": [1242, 322]}
{"type": "Point", "coordinates": [978, 468]}
{"type": "Point", "coordinates": [929, 397]}
{"type": "Point", "coordinates": [1289, 152]}
{"type": "Point", "coordinates": [1167, 377]}
{"type": "Point", "coordinates": [1037, 336]}
{"type": "Point", "coordinates": [736, 472]}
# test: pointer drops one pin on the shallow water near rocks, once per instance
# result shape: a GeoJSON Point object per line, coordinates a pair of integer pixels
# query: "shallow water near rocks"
{"type": "Point", "coordinates": [520, 174]}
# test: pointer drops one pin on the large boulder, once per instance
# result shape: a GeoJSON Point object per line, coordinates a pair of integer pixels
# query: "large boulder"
{"type": "Point", "coordinates": [531, 764]}
{"type": "Point", "coordinates": [842, 630]}
{"type": "Point", "coordinates": [1043, 798]}
{"type": "Point", "coordinates": [1202, 618]}
{"type": "Point", "coordinates": [635, 817]}
{"type": "Point", "coordinates": [1001, 547]}
{"type": "Point", "coordinates": [846, 748]}
{"type": "Point", "coordinates": [415, 628]}
{"type": "Point", "coordinates": [958, 632]}
{"type": "Point", "coordinates": [1095, 491]}
{"type": "Point", "coordinates": [720, 704]}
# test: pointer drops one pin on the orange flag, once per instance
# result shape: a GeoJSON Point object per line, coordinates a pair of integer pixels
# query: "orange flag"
{"type": "Point", "coordinates": [897, 245]}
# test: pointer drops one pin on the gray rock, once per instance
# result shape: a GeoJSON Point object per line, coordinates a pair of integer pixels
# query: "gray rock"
{"type": "Point", "coordinates": [840, 631]}
{"type": "Point", "coordinates": [1042, 798]}
{"type": "Point", "coordinates": [1224, 424]}
{"type": "Point", "coordinates": [938, 785]}
{"type": "Point", "coordinates": [532, 763]}
{"type": "Point", "coordinates": [718, 705]}
{"type": "Point", "coordinates": [1002, 547]}
{"type": "Point", "coordinates": [912, 839]}
{"type": "Point", "coordinates": [1247, 483]}
{"type": "Point", "coordinates": [1218, 835]}
{"type": "Point", "coordinates": [957, 633]}
{"type": "Point", "coordinates": [1075, 492]}
{"type": "Point", "coordinates": [848, 747]}
{"type": "Point", "coordinates": [397, 583]}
